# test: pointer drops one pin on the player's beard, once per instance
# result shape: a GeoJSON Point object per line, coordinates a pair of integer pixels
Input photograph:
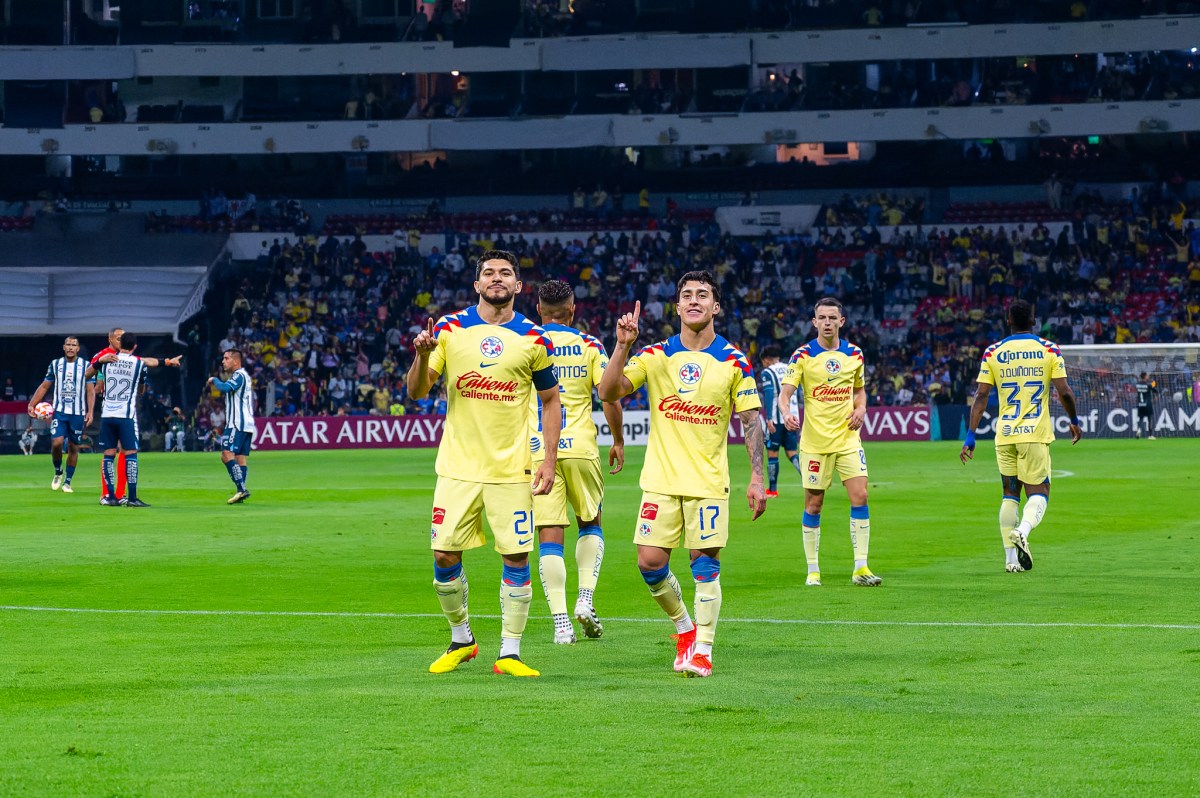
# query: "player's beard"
{"type": "Point", "coordinates": [500, 301]}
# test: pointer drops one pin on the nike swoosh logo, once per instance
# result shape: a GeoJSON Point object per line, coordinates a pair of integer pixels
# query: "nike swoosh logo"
{"type": "Point", "coordinates": [486, 365]}
{"type": "Point", "coordinates": [516, 595]}
{"type": "Point", "coordinates": [703, 599]}
{"type": "Point", "coordinates": [689, 390]}
{"type": "Point", "coordinates": [706, 537]}
{"type": "Point", "coordinates": [523, 542]}
{"type": "Point", "coordinates": [831, 379]}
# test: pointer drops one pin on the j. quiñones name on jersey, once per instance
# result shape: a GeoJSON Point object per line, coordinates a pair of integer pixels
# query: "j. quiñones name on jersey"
{"type": "Point", "coordinates": [692, 396]}
{"type": "Point", "coordinates": [1022, 368]}
{"type": "Point", "coordinates": [489, 372]}
{"type": "Point", "coordinates": [829, 378]}
{"type": "Point", "coordinates": [579, 361]}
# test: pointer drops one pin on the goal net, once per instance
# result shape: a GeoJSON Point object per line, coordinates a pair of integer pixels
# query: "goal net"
{"type": "Point", "coordinates": [1105, 379]}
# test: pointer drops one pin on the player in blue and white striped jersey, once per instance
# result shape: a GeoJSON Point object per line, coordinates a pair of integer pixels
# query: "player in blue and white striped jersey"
{"type": "Point", "coordinates": [123, 380]}
{"type": "Point", "coordinates": [772, 374]}
{"type": "Point", "coordinates": [74, 402]}
{"type": "Point", "coordinates": [239, 421]}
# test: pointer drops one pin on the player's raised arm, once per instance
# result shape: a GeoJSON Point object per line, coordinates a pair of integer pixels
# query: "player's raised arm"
{"type": "Point", "coordinates": [756, 497]}
{"type": "Point", "coordinates": [614, 384]}
{"type": "Point", "coordinates": [982, 390]}
{"type": "Point", "coordinates": [1067, 397]}
{"type": "Point", "coordinates": [420, 377]}
{"type": "Point", "coordinates": [790, 419]}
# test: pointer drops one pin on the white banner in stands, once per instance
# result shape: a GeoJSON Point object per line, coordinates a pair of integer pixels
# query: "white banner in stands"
{"type": "Point", "coordinates": [755, 220]}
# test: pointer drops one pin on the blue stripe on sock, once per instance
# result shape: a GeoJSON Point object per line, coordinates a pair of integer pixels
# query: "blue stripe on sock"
{"type": "Point", "coordinates": [1008, 498]}
{"type": "Point", "coordinates": [594, 529]}
{"type": "Point", "coordinates": [652, 578]}
{"type": "Point", "coordinates": [550, 550]}
{"type": "Point", "coordinates": [447, 574]}
{"type": "Point", "coordinates": [705, 568]}
{"type": "Point", "coordinates": [518, 577]}
{"type": "Point", "coordinates": [811, 520]}
{"type": "Point", "coordinates": [860, 513]}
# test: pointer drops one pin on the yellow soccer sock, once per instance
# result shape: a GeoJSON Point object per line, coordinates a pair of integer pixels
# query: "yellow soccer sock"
{"type": "Point", "coordinates": [552, 568]}
{"type": "Point", "coordinates": [860, 534]}
{"type": "Point", "coordinates": [452, 592]}
{"type": "Point", "coordinates": [707, 573]}
{"type": "Point", "coordinates": [589, 555]}
{"type": "Point", "coordinates": [516, 593]}
{"type": "Point", "coordinates": [665, 589]}
{"type": "Point", "coordinates": [1009, 515]}
{"type": "Point", "coordinates": [811, 532]}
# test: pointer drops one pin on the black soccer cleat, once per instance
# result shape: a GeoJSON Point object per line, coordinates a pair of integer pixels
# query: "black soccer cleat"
{"type": "Point", "coordinates": [109, 501]}
{"type": "Point", "coordinates": [1021, 543]}
{"type": "Point", "coordinates": [136, 503]}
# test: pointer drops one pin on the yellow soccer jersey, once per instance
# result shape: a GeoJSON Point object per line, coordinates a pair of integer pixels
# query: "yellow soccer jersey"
{"type": "Point", "coordinates": [579, 361]}
{"type": "Point", "coordinates": [490, 374]}
{"type": "Point", "coordinates": [692, 396]}
{"type": "Point", "coordinates": [1022, 368]}
{"type": "Point", "coordinates": [829, 378]}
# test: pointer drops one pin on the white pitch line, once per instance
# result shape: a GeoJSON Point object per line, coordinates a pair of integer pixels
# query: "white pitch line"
{"type": "Point", "coordinates": [1192, 627]}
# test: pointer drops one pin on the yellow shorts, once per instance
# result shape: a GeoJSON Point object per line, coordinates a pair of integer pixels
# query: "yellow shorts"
{"type": "Point", "coordinates": [577, 482]}
{"type": "Point", "coordinates": [458, 509]}
{"type": "Point", "coordinates": [1029, 461]}
{"type": "Point", "coordinates": [817, 469]}
{"type": "Point", "coordinates": [673, 522]}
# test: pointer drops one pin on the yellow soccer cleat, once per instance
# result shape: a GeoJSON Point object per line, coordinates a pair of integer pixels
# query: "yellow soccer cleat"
{"type": "Point", "coordinates": [864, 578]}
{"type": "Point", "coordinates": [454, 657]}
{"type": "Point", "coordinates": [813, 579]}
{"type": "Point", "coordinates": [513, 667]}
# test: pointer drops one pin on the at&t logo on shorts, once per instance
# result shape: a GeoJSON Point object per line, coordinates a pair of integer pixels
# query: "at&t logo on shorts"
{"type": "Point", "coordinates": [689, 373]}
{"type": "Point", "coordinates": [833, 366]}
{"type": "Point", "coordinates": [491, 346]}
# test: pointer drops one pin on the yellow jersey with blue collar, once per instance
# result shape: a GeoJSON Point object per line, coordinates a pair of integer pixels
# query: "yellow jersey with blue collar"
{"type": "Point", "coordinates": [692, 395]}
{"type": "Point", "coordinates": [490, 372]}
{"type": "Point", "coordinates": [829, 378]}
{"type": "Point", "coordinates": [1022, 368]}
{"type": "Point", "coordinates": [579, 361]}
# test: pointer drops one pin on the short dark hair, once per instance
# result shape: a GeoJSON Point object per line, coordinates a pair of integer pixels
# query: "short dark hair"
{"type": "Point", "coordinates": [770, 350]}
{"type": "Point", "coordinates": [74, 338]}
{"type": "Point", "coordinates": [700, 276]}
{"type": "Point", "coordinates": [128, 340]}
{"type": "Point", "coordinates": [497, 254]}
{"type": "Point", "coordinates": [1020, 316]}
{"type": "Point", "coordinates": [114, 329]}
{"type": "Point", "coordinates": [829, 302]}
{"type": "Point", "coordinates": [237, 352]}
{"type": "Point", "coordinates": [555, 292]}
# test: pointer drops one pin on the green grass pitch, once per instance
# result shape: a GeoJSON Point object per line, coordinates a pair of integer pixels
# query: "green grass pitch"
{"type": "Point", "coordinates": [281, 647]}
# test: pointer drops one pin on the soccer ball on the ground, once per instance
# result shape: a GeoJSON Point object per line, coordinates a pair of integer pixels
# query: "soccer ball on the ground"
{"type": "Point", "coordinates": [44, 411]}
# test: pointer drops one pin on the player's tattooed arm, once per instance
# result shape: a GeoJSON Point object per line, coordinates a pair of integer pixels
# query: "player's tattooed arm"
{"type": "Point", "coordinates": [756, 497]}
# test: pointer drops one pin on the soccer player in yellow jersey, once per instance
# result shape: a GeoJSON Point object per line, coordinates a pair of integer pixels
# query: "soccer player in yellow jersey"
{"type": "Point", "coordinates": [695, 380]}
{"type": "Point", "coordinates": [579, 360]}
{"type": "Point", "coordinates": [835, 404]}
{"type": "Point", "coordinates": [492, 359]}
{"type": "Point", "coordinates": [1022, 368]}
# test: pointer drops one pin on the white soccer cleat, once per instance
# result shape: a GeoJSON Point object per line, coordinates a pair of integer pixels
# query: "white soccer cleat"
{"type": "Point", "coordinates": [588, 621]}
{"type": "Point", "coordinates": [1151, 438]}
{"type": "Point", "coordinates": [1021, 541]}
{"type": "Point", "coordinates": [57, 482]}
{"type": "Point", "coordinates": [66, 488]}
{"type": "Point", "coordinates": [813, 579]}
{"type": "Point", "coordinates": [564, 637]}
{"type": "Point", "coordinates": [1013, 568]}
{"type": "Point", "coordinates": [864, 578]}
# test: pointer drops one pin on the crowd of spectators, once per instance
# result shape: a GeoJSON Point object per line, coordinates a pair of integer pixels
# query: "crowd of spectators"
{"type": "Point", "coordinates": [327, 328]}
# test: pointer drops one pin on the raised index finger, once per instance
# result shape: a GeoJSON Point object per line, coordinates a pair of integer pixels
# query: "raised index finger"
{"type": "Point", "coordinates": [429, 326]}
{"type": "Point", "coordinates": [637, 309]}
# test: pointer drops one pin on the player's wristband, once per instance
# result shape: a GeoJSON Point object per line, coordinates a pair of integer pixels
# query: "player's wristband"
{"type": "Point", "coordinates": [1075, 421]}
{"type": "Point", "coordinates": [970, 441]}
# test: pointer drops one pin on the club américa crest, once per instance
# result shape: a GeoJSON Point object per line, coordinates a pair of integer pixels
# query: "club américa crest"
{"type": "Point", "coordinates": [491, 346]}
{"type": "Point", "coordinates": [834, 367]}
{"type": "Point", "coordinates": [689, 373]}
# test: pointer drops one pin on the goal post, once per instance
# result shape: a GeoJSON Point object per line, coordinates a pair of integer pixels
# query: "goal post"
{"type": "Point", "coordinates": [1104, 378]}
